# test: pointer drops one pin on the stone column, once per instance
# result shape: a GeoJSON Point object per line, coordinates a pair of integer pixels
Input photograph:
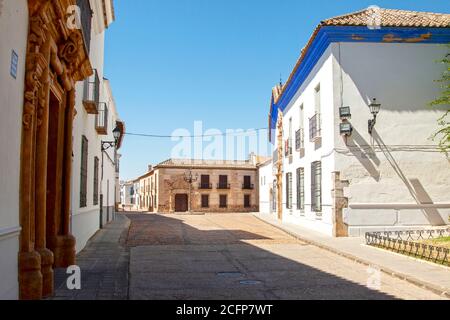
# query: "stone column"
{"type": "Point", "coordinates": [340, 229]}
{"type": "Point", "coordinates": [65, 243]}
{"type": "Point", "coordinates": [41, 183]}
{"type": "Point", "coordinates": [30, 276]}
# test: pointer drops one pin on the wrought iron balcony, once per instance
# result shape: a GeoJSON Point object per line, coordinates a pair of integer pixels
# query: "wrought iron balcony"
{"type": "Point", "coordinates": [315, 130]}
{"type": "Point", "coordinates": [223, 186]}
{"type": "Point", "coordinates": [205, 186]}
{"type": "Point", "coordinates": [91, 95]}
{"type": "Point", "coordinates": [101, 119]}
{"type": "Point", "coordinates": [247, 186]}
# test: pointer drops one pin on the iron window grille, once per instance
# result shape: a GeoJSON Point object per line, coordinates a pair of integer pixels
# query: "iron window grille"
{"type": "Point", "coordinates": [315, 127]}
{"type": "Point", "coordinates": [96, 172]}
{"type": "Point", "coordinates": [316, 187]}
{"type": "Point", "coordinates": [289, 190]}
{"type": "Point", "coordinates": [300, 139]}
{"type": "Point", "coordinates": [83, 172]}
{"type": "Point", "coordinates": [300, 189]}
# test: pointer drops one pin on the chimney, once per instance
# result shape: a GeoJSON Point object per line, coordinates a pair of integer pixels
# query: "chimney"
{"type": "Point", "coordinates": [150, 168]}
{"type": "Point", "coordinates": [253, 159]}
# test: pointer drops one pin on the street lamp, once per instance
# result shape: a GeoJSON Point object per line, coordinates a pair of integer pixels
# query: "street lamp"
{"type": "Point", "coordinates": [105, 145]}
{"type": "Point", "coordinates": [110, 144]}
{"type": "Point", "coordinates": [189, 178]}
{"type": "Point", "coordinates": [374, 110]}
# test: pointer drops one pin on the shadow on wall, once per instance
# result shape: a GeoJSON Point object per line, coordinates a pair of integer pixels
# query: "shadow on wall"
{"type": "Point", "coordinates": [413, 87]}
{"type": "Point", "coordinates": [415, 187]}
{"type": "Point", "coordinates": [362, 151]}
{"type": "Point", "coordinates": [190, 260]}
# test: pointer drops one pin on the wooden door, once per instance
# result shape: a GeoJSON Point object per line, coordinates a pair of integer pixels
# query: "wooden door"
{"type": "Point", "coordinates": [181, 203]}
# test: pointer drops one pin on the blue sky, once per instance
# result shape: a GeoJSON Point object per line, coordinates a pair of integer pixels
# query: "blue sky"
{"type": "Point", "coordinates": [173, 62]}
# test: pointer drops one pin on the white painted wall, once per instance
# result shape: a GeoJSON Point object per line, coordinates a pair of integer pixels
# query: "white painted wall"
{"type": "Point", "coordinates": [14, 26]}
{"type": "Point", "coordinates": [266, 179]}
{"type": "Point", "coordinates": [322, 75]}
{"type": "Point", "coordinates": [402, 77]}
{"type": "Point", "coordinates": [385, 187]}
{"type": "Point", "coordinates": [86, 221]}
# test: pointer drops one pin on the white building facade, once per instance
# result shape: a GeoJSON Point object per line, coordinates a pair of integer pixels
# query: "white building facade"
{"type": "Point", "coordinates": [42, 221]}
{"type": "Point", "coordinates": [330, 173]}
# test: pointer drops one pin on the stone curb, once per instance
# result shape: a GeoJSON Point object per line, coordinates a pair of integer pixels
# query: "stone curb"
{"type": "Point", "coordinates": [420, 283]}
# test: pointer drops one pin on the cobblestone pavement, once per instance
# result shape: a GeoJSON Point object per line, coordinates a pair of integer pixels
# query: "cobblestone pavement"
{"type": "Point", "coordinates": [231, 256]}
{"type": "Point", "coordinates": [236, 256]}
{"type": "Point", "coordinates": [104, 267]}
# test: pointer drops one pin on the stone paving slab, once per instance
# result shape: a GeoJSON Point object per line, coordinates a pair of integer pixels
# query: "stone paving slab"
{"type": "Point", "coordinates": [104, 267]}
{"type": "Point", "coordinates": [248, 264]}
{"type": "Point", "coordinates": [421, 273]}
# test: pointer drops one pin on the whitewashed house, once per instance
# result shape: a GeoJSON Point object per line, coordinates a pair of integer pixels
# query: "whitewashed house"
{"type": "Point", "coordinates": [330, 174]}
{"type": "Point", "coordinates": [51, 132]}
{"type": "Point", "coordinates": [127, 195]}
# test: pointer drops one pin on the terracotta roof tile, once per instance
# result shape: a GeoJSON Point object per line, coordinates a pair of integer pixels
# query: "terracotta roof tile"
{"type": "Point", "coordinates": [391, 18]}
{"type": "Point", "coordinates": [387, 18]}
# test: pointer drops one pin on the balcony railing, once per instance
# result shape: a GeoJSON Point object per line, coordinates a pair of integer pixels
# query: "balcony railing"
{"type": "Point", "coordinates": [101, 119]}
{"type": "Point", "coordinates": [315, 128]}
{"type": "Point", "coordinates": [300, 140]}
{"type": "Point", "coordinates": [247, 186]}
{"type": "Point", "coordinates": [91, 95]}
{"type": "Point", "coordinates": [223, 186]}
{"type": "Point", "coordinates": [205, 186]}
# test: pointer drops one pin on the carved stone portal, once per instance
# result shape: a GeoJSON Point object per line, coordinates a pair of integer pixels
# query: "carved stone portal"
{"type": "Point", "coordinates": [56, 59]}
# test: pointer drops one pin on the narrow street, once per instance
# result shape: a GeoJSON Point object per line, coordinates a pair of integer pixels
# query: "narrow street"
{"type": "Point", "coordinates": [232, 256]}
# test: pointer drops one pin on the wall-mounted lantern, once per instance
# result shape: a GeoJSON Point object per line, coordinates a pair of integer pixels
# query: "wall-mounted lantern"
{"type": "Point", "coordinates": [374, 110]}
{"type": "Point", "coordinates": [346, 129]}
{"type": "Point", "coordinates": [345, 113]}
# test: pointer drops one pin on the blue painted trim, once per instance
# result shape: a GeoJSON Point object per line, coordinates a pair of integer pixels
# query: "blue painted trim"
{"type": "Point", "coordinates": [330, 34]}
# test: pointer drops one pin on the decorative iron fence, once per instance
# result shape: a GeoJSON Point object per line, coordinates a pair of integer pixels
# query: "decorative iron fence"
{"type": "Point", "coordinates": [413, 243]}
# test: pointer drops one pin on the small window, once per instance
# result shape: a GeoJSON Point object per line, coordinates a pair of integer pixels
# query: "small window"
{"type": "Point", "coordinates": [289, 190]}
{"type": "Point", "coordinates": [96, 166]}
{"type": "Point", "coordinates": [205, 201]}
{"type": "Point", "coordinates": [316, 186]}
{"type": "Point", "coordinates": [84, 172]}
{"type": "Point", "coordinates": [223, 201]}
{"type": "Point", "coordinates": [300, 189]}
{"type": "Point", "coordinates": [247, 203]}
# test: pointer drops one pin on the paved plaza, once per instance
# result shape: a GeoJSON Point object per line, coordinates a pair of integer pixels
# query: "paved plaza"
{"type": "Point", "coordinates": [229, 256]}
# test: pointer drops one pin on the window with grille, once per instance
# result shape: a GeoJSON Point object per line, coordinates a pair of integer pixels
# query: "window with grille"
{"type": "Point", "coordinates": [96, 166]}
{"type": "Point", "coordinates": [205, 201]}
{"type": "Point", "coordinates": [83, 172]}
{"type": "Point", "coordinates": [223, 201]}
{"type": "Point", "coordinates": [289, 190]}
{"type": "Point", "coordinates": [300, 189]}
{"type": "Point", "coordinates": [247, 203]}
{"type": "Point", "coordinates": [316, 186]}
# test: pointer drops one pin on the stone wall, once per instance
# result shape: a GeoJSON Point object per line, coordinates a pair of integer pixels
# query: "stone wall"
{"type": "Point", "coordinates": [171, 181]}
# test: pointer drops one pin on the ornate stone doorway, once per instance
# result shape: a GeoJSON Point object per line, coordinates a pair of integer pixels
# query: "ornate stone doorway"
{"type": "Point", "coordinates": [56, 60]}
